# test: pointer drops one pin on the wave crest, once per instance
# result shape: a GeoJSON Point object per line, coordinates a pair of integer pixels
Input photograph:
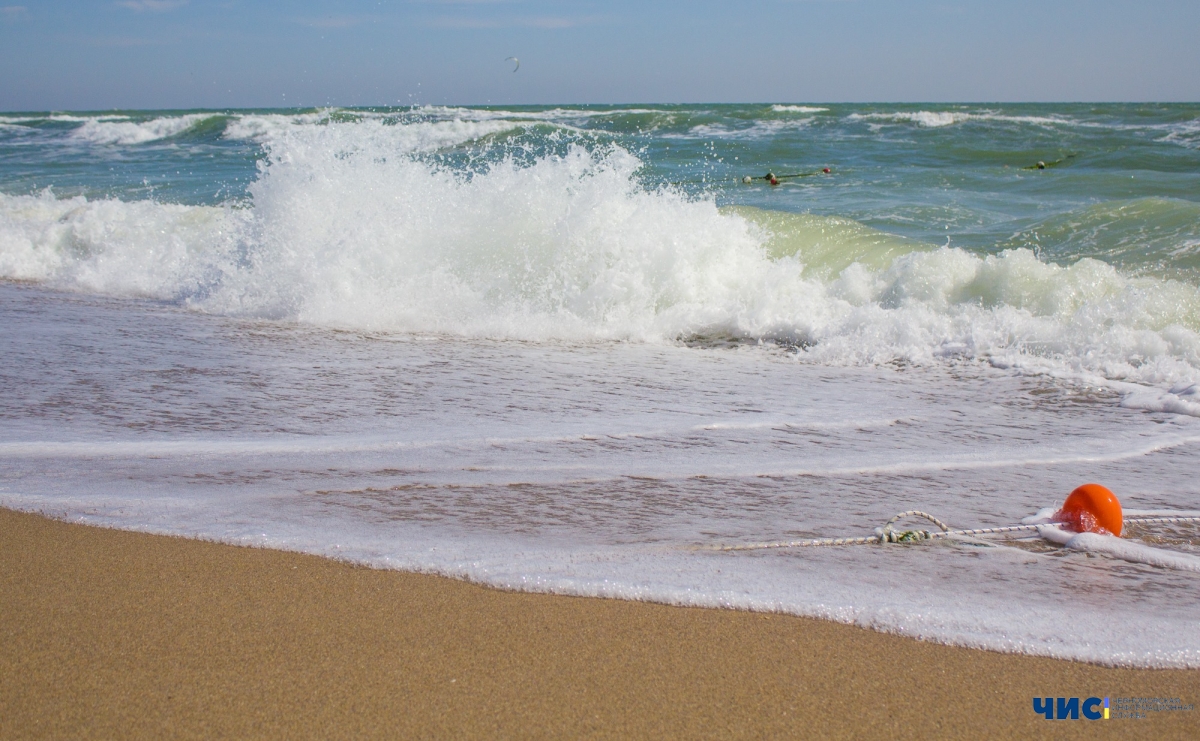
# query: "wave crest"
{"type": "Point", "coordinates": [104, 131]}
{"type": "Point", "coordinates": [349, 227]}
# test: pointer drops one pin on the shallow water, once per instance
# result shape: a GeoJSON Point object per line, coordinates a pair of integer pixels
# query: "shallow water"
{"type": "Point", "coordinates": [499, 345]}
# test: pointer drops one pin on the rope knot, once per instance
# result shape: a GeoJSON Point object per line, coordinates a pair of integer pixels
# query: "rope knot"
{"type": "Point", "coordinates": [888, 535]}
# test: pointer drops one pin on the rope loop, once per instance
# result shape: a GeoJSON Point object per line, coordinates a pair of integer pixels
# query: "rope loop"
{"type": "Point", "coordinates": [888, 535]}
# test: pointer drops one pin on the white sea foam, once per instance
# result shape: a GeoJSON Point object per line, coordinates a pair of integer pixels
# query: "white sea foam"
{"type": "Point", "coordinates": [116, 131]}
{"type": "Point", "coordinates": [1126, 550]}
{"type": "Point", "coordinates": [757, 130]}
{"type": "Point", "coordinates": [346, 229]}
{"type": "Point", "coordinates": [141, 248]}
{"type": "Point", "coordinates": [270, 125]}
{"type": "Point", "coordinates": [72, 118]}
{"type": "Point", "coordinates": [28, 122]}
{"type": "Point", "coordinates": [593, 468]}
{"type": "Point", "coordinates": [434, 122]}
{"type": "Point", "coordinates": [938, 119]}
{"type": "Point", "coordinates": [552, 114]}
{"type": "Point", "coordinates": [797, 109]}
{"type": "Point", "coordinates": [374, 133]}
{"type": "Point", "coordinates": [1183, 133]}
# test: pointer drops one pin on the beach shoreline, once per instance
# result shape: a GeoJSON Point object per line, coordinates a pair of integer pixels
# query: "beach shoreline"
{"type": "Point", "coordinates": [112, 633]}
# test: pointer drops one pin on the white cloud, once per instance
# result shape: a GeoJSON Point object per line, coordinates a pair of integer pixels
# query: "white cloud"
{"type": "Point", "coordinates": [13, 12]}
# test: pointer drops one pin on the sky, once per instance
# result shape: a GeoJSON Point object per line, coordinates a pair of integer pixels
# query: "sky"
{"type": "Point", "coordinates": [175, 54]}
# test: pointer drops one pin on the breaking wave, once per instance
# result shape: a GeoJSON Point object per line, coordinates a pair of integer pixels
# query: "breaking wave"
{"type": "Point", "coordinates": [347, 226]}
{"type": "Point", "coordinates": [104, 131]}
{"type": "Point", "coordinates": [938, 119]}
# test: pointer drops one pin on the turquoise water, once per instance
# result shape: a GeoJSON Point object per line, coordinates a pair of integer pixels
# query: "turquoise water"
{"type": "Point", "coordinates": [557, 348]}
{"type": "Point", "coordinates": [1127, 174]}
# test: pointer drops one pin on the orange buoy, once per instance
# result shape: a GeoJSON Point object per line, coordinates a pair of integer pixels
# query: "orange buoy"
{"type": "Point", "coordinates": [1092, 508]}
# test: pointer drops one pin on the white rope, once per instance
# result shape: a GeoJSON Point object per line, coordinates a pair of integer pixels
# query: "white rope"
{"type": "Point", "coordinates": [1161, 520]}
{"type": "Point", "coordinates": [887, 535]}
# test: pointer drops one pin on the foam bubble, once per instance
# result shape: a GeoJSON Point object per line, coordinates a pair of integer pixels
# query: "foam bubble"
{"type": "Point", "coordinates": [797, 109]}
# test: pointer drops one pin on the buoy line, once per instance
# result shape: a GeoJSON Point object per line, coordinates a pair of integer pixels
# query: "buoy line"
{"type": "Point", "coordinates": [1090, 508]}
{"type": "Point", "coordinates": [774, 179]}
{"type": "Point", "coordinates": [887, 535]}
{"type": "Point", "coordinates": [770, 178]}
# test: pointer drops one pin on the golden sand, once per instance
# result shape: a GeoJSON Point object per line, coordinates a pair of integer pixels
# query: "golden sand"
{"type": "Point", "coordinates": [112, 634]}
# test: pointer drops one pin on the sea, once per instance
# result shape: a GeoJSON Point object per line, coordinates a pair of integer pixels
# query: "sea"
{"type": "Point", "coordinates": [579, 349]}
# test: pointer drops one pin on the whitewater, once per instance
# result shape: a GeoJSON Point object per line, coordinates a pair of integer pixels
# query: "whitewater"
{"type": "Point", "coordinates": [567, 349]}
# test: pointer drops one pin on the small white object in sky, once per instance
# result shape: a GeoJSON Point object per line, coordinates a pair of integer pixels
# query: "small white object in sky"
{"type": "Point", "coordinates": [514, 59]}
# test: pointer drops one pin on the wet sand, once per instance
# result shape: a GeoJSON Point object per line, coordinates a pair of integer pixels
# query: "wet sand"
{"type": "Point", "coordinates": [125, 635]}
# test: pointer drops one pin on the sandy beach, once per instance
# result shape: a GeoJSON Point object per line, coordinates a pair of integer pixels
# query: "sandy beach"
{"type": "Point", "coordinates": [125, 635]}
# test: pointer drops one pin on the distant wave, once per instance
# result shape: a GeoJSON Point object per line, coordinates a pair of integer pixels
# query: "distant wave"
{"type": "Point", "coordinates": [110, 131]}
{"type": "Point", "coordinates": [937, 119]}
{"type": "Point", "coordinates": [1184, 133]}
{"type": "Point", "coordinates": [756, 130]}
{"type": "Point", "coordinates": [421, 136]}
{"type": "Point", "coordinates": [552, 114]}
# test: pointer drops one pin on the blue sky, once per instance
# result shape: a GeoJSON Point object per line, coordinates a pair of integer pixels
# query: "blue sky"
{"type": "Point", "coordinates": [221, 53]}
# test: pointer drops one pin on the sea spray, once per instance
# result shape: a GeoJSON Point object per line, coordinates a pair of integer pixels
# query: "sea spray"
{"type": "Point", "coordinates": [347, 225]}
